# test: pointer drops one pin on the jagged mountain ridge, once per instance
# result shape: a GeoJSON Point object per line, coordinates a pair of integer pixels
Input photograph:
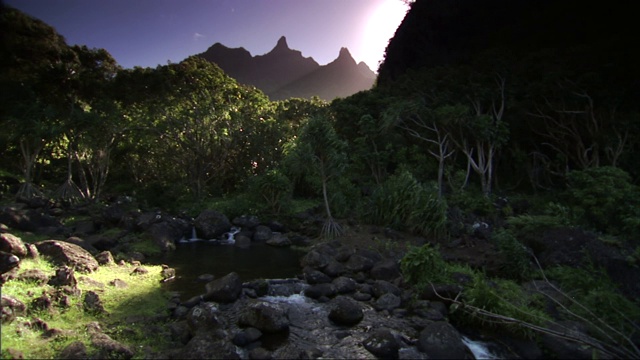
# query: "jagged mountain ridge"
{"type": "Point", "coordinates": [284, 73]}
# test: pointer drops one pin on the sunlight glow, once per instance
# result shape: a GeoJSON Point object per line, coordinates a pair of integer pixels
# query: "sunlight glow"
{"type": "Point", "coordinates": [380, 28]}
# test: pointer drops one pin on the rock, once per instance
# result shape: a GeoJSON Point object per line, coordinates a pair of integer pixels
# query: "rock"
{"type": "Point", "coordinates": [246, 221]}
{"type": "Point", "coordinates": [562, 348]}
{"type": "Point", "coordinates": [382, 344]}
{"type": "Point", "coordinates": [205, 317]}
{"type": "Point", "coordinates": [92, 303]}
{"type": "Point", "coordinates": [167, 273]}
{"type": "Point", "coordinates": [314, 260]}
{"type": "Point", "coordinates": [11, 308]}
{"type": "Point", "coordinates": [334, 268]}
{"type": "Point", "coordinates": [225, 290]}
{"type": "Point", "coordinates": [319, 290]}
{"type": "Point", "coordinates": [211, 224]}
{"type": "Point", "coordinates": [205, 278]}
{"type": "Point", "coordinates": [13, 245]}
{"type": "Point", "coordinates": [278, 240]}
{"type": "Point", "coordinates": [42, 302]}
{"type": "Point", "coordinates": [344, 285]}
{"type": "Point", "coordinates": [260, 286]}
{"type": "Point", "coordinates": [387, 302]}
{"type": "Point", "coordinates": [118, 284]}
{"type": "Point", "coordinates": [344, 253]}
{"type": "Point", "coordinates": [103, 243]}
{"type": "Point", "coordinates": [64, 277]}
{"type": "Point", "coordinates": [91, 282]}
{"type": "Point", "coordinates": [300, 240]}
{"type": "Point", "coordinates": [260, 353]}
{"type": "Point", "coordinates": [32, 251]}
{"type": "Point", "coordinates": [147, 219]}
{"type": "Point", "coordinates": [313, 276]}
{"type": "Point", "coordinates": [105, 258]}
{"type": "Point", "coordinates": [179, 331]}
{"type": "Point", "coordinates": [262, 233]}
{"type": "Point", "coordinates": [165, 234]}
{"type": "Point", "coordinates": [139, 270]}
{"type": "Point", "coordinates": [82, 243]}
{"type": "Point", "coordinates": [202, 346]}
{"type": "Point", "coordinates": [266, 317]}
{"type": "Point", "coordinates": [62, 253]}
{"type": "Point", "coordinates": [14, 353]}
{"type": "Point", "coordinates": [361, 296]}
{"type": "Point", "coordinates": [243, 242]}
{"type": "Point", "coordinates": [75, 350]}
{"type": "Point", "coordinates": [108, 348]}
{"type": "Point", "coordinates": [345, 311]}
{"type": "Point", "coordinates": [387, 269]}
{"type": "Point", "coordinates": [34, 276]}
{"type": "Point", "coordinates": [357, 263]}
{"type": "Point", "coordinates": [440, 340]}
{"type": "Point", "coordinates": [8, 266]}
{"type": "Point", "coordinates": [246, 336]}
{"type": "Point", "coordinates": [84, 228]}
{"type": "Point", "coordinates": [381, 287]}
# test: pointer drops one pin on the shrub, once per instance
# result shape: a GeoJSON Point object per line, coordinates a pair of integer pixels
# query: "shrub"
{"type": "Point", "coordinates": [516, 259]}
{"type": "Point", "coordinates": [403, 203]}
{"type": "Point", "coordinates": [422, 265]}
{"type": "Point", "coordinates": [271, 191]}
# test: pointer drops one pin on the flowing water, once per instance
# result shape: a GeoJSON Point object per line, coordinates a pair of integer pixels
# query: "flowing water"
{"type": "Point", "coordinates": [260, 261]}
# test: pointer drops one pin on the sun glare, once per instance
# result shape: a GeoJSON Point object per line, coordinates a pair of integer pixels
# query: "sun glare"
{"type": "Point", "coordinates": [381, 26]}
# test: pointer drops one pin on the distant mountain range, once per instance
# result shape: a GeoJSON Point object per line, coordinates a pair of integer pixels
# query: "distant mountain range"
{"type": "Point", "coordinates": [284, 73]}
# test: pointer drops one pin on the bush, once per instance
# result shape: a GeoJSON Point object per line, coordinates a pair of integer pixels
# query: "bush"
{"type": "Point", "coordinates": [604, 199]}
{"type": "Point", "coordinates": [271, 191]}
{"type": "Point", "coordinates": [403, 203]}
{"type": "Point", "coordinates": [422, 265]}
{"type": "Point", "coordinates": [516, 259]}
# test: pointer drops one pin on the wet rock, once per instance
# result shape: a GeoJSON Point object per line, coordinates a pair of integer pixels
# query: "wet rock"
{"type": "Point", "coordinates": [334, 268]}
{"type": "Point", "coordinates": [320, 290]}
{"type": "Point", "coordinates": [75, 350]}
{"type": "Point", "coordinates": [278, 240]}
{"type": "Point", "coordinates": [260, 286]}
{"type": "Point", "coordinates": [246, 221]}
{"type": "Point", "coordinates": [167, 273]}
{"type": "Point", "coordinates": [205, 317]}
{"type": "Point", "coordinates": [387, 269]}
{"type": "Point", "coordinates": [262, 233]}
{"type": "Point", "coordinates": [64, 277]}
{"type": "Point", "coordinates": [345, 311]}
{"type": "Point", "coordinates": [315, 260]}
{"type": "Point", "coordinates": [105, 258]}
{"type": "Point", "coordinates": [440, 340]}
{"type": "Point", "coordinates": [359, 296]}
{"type": "Point", "coordinates": [358, 263]}
{"type": "Point", "coordinates": [242, 241]}
{"type": "Point", "coordinates": [382, 344]}
{"type": "Point", "coordinates": [225, 290]}
{"type": "Point", "coordinates": [387, 302]}
{"type": "Point", "coordinates": [246, 336]}
{"type": "Point", "coordinates": [313, 276]}
{"type": "Point", "coordinates": [62, 253]}
{"type": "Point", "coordinates": [11, 308]}
{"type": "Point", "coordinates": [344, 253]}
{"type": "Point", "coordinates": [92, 303]}
{"type": "Point", "coordinates": [13, 245]}
{"type": "Point", "coordinates": [266, 317]}
{"type": "Point", "coordinates": [344, 285]}
{"type": "Point", "coordinates": [381, 287]}
{"type": "Point", "coordinates": [34, 276]}
{"type": "Point", "coordinates": [211, 224]}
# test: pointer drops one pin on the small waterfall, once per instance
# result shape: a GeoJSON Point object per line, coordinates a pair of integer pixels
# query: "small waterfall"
{"type": "Point", "coordinates": [480, 349]}
{"type": "Point", "coordinates": [194, 235]}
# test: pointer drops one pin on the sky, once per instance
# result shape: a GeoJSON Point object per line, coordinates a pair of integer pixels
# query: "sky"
{"type": "Point", "coordinates": [148, 33]}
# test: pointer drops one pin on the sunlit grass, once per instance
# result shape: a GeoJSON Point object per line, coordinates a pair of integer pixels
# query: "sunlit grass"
{"type": "Point", "coordinates": [131, 313]}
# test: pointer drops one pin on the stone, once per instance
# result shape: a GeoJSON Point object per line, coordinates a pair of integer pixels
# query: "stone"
{"type": "Point", "coordinates": [139, 270]}
{"type": "Point", "coordinates": [179, 331]}
{"type": "Point", "coordinates": [91, 282]}
{"type": "Point", "coordinates": [313, 276]}
{"type": "Point", "coordinates": [361, 296]}
{"type": "Point", "coordinates": [278, 240]}
{"type": "Point", "coordinates": [382, 344]}
{"type": "Point", "coordinates": [118, 284]}
{"type": "Point", "coordinates": [64, 277]}
{"type": "Point", "coordinates": [387, 269]}
{"type": "Point", "coordinates": [264, 316]}
{"type": "Point", "coordinates": [440, 340]}
{"type": "Point", "coordinates": [11, 308]}
{"type": "Point", "coordinates": [165, 234]}
{"type": "Point", "coordinates": [13, 245]}
{"type": "Point", "coordinates": [62, 253]}
{"type": "Point", "coordinates": [260, 353]}
{"type": "Point", "coordinates": [320, 290]}
{"type": "Point", "coordinates": [82, 243]}
{"type": "Point", "coordinates": [92, 303]}
{"type": "Point", "coordinates": [345, 311]}
{"type": "Point", "coordinates": [105, 258]}
{"type": "Point", "coordinates": [205, 317]}
{"type": "Point", "coordinates": [334, 268]}
{"type": "Point", "coordinates": [246, 336]}
{"type": "Point", "coordinates": [357, 263]}
{"type": "Point", "coordinates": [75, 350]}
{"type": "Point", "coordinates": [381, 287]}
{"type": "Point", "coordinates": [227, 289]}
{"type": "Point", "coordinates": [262, 233]}
{"type": "Point", "coordinates": [246, 221]}
{"type": "Point", "coordinates": [211, 224]}
{"type": "Point", "coordinates": [387, 302]}
{"type": "Point", "coordinates": [8, 266]}
{"type": "Point", "coordinates": [107, 347]}
{"type": "Point", "coordinates": [344, 285]}
{"type": "Point", "coordinates": [33, 276]}
{"type": "Point", "coordinates": [315, 260]}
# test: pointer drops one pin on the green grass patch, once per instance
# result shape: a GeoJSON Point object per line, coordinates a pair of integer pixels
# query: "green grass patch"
{"type": "Point", "coordinates": [132, 313]}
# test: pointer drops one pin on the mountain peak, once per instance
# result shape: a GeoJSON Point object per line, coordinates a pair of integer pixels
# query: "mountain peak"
{"type": "Point", "coordinates": [344, 53]}
{"type": "Point", "coordinates": [282, 44]}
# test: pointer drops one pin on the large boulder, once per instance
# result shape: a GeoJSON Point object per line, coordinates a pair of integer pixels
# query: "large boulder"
{"type": "Point", "coordinates": [382, 344]}
{"type": "Point", "coordinates": [164, 234]}
{"type": "Point", "coordinates": [278, 240]}
{"type": "Point", "coordinates": [262, 233]}
{"type": "Point", "coordinates": [387, 269]}
{"type": "Point", "coordinates": [345, 311]}
{"type": "Point", "coordinates": [440, 340]}
{"type": "Point", "coordinates": [225, 290]}
{"type": "Point", "coordinates": [205, 317]}
{"type": "Point", "coordinates": [266, 317]}
{"type": "Point", "coordinates": [211, 224]}
{"type": "Point", "coordinates": [246, 221]}
{"type": "Point", "coordinates": [62, 253]}
{"type": "Point", "coordinates": [315, 259]}
{"type": "Point", "coordinates": [12, 244]}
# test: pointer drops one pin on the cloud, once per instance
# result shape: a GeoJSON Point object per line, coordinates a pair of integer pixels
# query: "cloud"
{"type": "Point", "coordinates": [197, 36]}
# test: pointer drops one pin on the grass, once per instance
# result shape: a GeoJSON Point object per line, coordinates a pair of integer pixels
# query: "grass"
{"type": "Point", "coordinates": [132, 313]}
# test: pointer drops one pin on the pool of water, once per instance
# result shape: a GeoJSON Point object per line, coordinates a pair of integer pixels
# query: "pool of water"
{"type": "Point", "coordinates": [260, 261]}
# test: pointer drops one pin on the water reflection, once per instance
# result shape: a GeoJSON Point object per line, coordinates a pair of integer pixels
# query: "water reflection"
{"type": "Point", "coordinates": [260, 261]}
